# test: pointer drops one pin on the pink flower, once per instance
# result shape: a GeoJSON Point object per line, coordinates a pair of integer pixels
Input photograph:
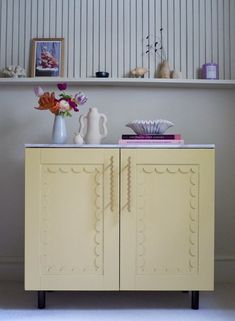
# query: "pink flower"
{"type": "Point", "coordinates": [38, 91]}
{"type": "Point", "coordinates": [64, 105]}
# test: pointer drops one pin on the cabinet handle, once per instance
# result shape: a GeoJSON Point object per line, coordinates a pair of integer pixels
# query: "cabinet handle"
{"type": "Point", "coordinates": [129, 184]}
{"type": "Point", "coordinates": [111, 184]}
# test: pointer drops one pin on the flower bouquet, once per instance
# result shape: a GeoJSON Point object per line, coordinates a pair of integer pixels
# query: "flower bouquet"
{"type": "Point", "coordinates": [60, 107]}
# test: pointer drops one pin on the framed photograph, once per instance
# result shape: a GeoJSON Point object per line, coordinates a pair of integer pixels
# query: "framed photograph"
{"type": "Point", "coordinates": [47, 59]}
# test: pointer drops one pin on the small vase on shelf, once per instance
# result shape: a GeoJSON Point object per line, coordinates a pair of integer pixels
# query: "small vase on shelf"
{"type": "Point", "coordinates": [59, 133]}
{"type": "Point", "coordinates": [165, 71]}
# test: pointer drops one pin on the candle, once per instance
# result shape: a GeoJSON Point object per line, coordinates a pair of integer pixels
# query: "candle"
{"type": "Point", "coordinates": [210, 71]}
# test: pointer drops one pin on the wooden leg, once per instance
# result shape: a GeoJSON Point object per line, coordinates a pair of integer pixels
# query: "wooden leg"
{"type": "Point", "coordinates": [41, 299]}
{"type": "Point", "coordinates": [195, 300]}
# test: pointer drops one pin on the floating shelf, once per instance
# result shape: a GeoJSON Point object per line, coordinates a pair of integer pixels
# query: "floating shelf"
{"type": "Point", "coordinates": [131, 82]}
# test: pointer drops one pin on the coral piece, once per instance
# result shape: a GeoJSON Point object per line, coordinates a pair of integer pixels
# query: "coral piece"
{"type": "Point", "coordinates": [139, 72]}
{"type": "Point", "coordinates": [14, 71]}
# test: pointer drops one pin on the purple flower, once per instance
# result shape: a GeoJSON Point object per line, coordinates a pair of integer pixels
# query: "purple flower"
{"type": "Point", "coordinates": [38, 91]}
{"type": "Point", "coordinates": [72, 104]}
{"type": "Point", "coordinates": [62, 86]}
{"type": "Point", "coordinates": [80, 98]}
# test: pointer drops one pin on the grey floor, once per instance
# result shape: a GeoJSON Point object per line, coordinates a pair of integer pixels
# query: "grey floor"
{"type": "Point", "coordinates": [16, 304]}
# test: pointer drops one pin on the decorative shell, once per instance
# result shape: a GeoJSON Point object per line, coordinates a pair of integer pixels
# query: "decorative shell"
{"type": "Point", "coordinates": [149, 127]}
{"type": "Point", "coordinates": [14, 71]}
{"type": "Point", "coordinates": [139, 72]}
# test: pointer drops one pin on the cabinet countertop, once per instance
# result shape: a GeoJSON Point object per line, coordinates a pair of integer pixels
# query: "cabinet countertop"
{"type": "Point", "coordinates": [181, 146]}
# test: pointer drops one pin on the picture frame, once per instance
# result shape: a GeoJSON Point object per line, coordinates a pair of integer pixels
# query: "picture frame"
{"type": "Point", "coordinates": [47, 57]}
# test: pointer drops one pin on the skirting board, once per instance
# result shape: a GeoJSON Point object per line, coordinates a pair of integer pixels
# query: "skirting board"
{"type": "Point", "coordinates": [12, 269]}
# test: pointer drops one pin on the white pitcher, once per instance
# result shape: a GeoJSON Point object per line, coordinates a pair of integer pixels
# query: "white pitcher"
{"type": "Point", "coordinates": [93, 126]}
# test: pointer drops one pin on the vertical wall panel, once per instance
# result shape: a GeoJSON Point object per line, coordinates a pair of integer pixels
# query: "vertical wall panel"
{"type": "Point", "coordinates": [183, 37]}
{"type": "Point", "coordinates": [9, 31]}
{"type": "Point", "coordinates": [120, 43]}
{"type": "Point", "coordinates": [96, 22]}
{"type": "Point", "coordinates": [232, 39]}
{"type": "Point", "coordinates": [140, 40]}
{"type": "Point", "coordinates": [89, 43]}
{"type": "Point", "coordinates": [3, 33]}
{"type": "Point", "coordinates": [151, 28]}
{"type": "Point", "coordinates": [158, 25]}
{"type": "Point", "coordinates": [112, 38]}
{"type": "Point", "coordinates": [214, 30]}
{"type": "Point", "coordinates": [52, 18]}
{"type": "Point", "coordinates": [111, 34]}
{"type": "Point", "coordinates": [70, 40]}
{"type": "Point", "coordinates": [227, 45]}
{"type": "Point", "coordinates": [77, 41]}
{"type": "Point", "coordinates": [46, 18]}
{"type": "Point", "coordinates": [27, 33]}
{"type": "Point", "coordinates": [15, 24]}
{"type": "Point", "coordinates": [190, 39]}
{"type": "Point", "coordinates": [196, 37]}
{"type": "Point", "coordinates": [171, 33]}
{"type": "Point", "coordinates": [221, 40]}
{"type": "Point", "coordinates": [208, 31]}
{"type": "Point", "coordinates": [126, 36]}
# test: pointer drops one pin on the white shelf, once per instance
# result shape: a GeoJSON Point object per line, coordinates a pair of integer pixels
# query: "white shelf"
{"type": "Point", "coordinates": [131, 82]}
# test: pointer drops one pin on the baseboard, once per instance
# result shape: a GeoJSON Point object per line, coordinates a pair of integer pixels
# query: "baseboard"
{"type": "Point", "coordinates": [12, 268]}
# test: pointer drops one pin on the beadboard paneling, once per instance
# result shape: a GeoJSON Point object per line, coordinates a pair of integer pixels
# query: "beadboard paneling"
{"type": "Point", "coordinates": [111, 34]}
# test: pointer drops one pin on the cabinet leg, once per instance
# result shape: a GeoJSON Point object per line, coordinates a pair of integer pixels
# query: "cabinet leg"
{"type": "Point", "coordinates": [41, 299]}
{"type": "Point", "coordinates": [195, 300]}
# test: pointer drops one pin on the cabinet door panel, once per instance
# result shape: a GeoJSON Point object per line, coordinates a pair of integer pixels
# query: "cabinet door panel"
{"type": "Point", "coordinates": [75, 219]}
{"type": "Point", "coordinates": [167, 219]}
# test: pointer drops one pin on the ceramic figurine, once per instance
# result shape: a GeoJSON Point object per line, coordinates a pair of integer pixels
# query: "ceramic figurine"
{"type": "Point", "coordinates": [139, 72]}
{"type": "Point", "coordinates": [165, 70]}
{"type": "Point", "coordinates": [78, 139]}
{"type": "Point", "coordinates": [93, 126]}
{"type": "Point", "coordinates": [177, 74]}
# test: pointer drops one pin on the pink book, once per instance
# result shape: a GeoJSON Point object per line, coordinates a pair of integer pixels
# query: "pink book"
{"type": "Point", "coordinates": [151, 141]}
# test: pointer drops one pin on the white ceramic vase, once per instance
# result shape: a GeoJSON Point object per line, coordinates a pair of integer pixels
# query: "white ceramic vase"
{"type": "Point", "coordinates": [93, 126]}
{"type": "Point", "coordinates": [59, 133]}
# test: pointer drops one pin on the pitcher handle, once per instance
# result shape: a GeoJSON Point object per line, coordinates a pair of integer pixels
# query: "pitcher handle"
{"type": "Point", "coordinates": [104, 125]}
{"type": "Point", "coordinates": [82, 124]}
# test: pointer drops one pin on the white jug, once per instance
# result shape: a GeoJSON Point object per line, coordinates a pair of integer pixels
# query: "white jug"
{"type": "Point", "coordinates": [93, 126]}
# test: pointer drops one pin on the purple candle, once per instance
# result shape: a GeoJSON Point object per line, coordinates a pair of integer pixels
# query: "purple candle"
{"type": "Point", "coordinates": [210, 71]}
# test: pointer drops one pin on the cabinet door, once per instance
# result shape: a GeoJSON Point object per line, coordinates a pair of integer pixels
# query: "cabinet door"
{"type": "Point", "coordinates": [167, 219]}
{"type": "Point", "coordinates": [72, 219]}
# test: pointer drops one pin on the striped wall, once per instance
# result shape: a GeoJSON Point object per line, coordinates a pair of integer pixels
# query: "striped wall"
{"type": "Point", "coordinates": [111, 34]}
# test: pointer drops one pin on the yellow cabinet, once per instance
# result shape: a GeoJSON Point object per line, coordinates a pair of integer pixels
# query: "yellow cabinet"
{"type": "Point", "coordinates": [72, 219]}
{"type": "Point", "coordinates": [158, 234]}
{"type": "Point", "coordinates": [167, 219]}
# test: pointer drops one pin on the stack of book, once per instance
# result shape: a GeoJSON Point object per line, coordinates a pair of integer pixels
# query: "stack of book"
{"type": "Point", "coordinates": [151, 139]}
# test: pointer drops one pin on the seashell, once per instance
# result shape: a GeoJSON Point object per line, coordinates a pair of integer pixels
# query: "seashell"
{"type": "Point", "coordinates": [150, 127]}
{"type": "Point", "coordinates": [139, 72]}
{"type": "Point", "coordinates": [14, 71]}
{"type": "Point", "coordinates": [177, 74]}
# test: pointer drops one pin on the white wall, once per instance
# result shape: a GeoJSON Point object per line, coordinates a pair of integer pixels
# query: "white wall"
{"type": "Point", "coordinates": [201, 115]}
{"type": "Point", "coordinates": [111, 34]}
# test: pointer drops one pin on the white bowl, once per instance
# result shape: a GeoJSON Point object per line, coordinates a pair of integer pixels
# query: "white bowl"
{"type": "Point", "coordinates": [150, 127]}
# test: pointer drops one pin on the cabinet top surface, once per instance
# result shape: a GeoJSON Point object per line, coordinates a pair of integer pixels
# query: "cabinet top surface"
{"type": "Point", "coordinates": [180, 146]}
